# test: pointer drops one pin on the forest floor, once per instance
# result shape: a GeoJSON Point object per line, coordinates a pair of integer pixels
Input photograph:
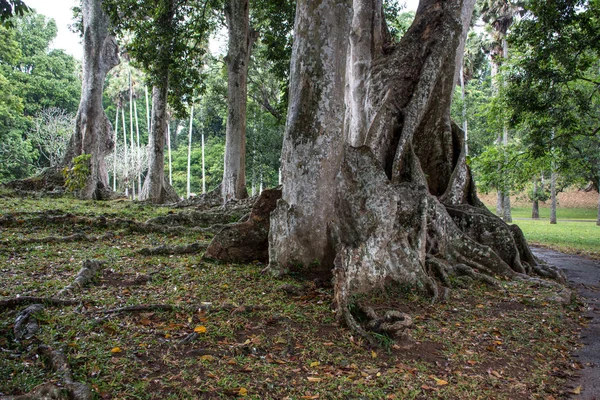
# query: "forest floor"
{"type": "Point", "coordinates": [210, 330]}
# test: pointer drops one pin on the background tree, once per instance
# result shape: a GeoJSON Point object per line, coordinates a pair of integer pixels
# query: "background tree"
{"type": "Point", "coordinates": [93, 131]}
{"type": "Point", "coordinates": [33, 78]}
{"type": "Point", "coordinates": [500, 14]}
{"type": "Point", "coordinates": [11, 8]}
{"type": "Point", "coordinates": [553, 79]}
{"type": "Point", "coordinates": [168, 41]}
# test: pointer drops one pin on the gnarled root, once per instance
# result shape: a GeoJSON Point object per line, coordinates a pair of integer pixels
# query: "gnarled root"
{"type": "Point", "coordinates": [400, 234]}
{"type": "Point", "coordinates": [86, 274]}
{"type": "Point", "coordinates": [58, 362]}
{"type": "Point", "coordinates": [193, 248]}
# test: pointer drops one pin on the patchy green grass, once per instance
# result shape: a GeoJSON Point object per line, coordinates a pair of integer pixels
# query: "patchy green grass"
{"type": "Point", "coordinates": [481, 344]}
{"type": "Point", "coordinates": [561, 213]}
{"type": "Point", "coordinates": [567, 236]}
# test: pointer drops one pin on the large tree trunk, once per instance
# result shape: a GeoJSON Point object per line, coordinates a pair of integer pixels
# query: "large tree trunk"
{"type": "Point", "coordinates": [93, 131]}
{"type": "Point", "coordinates": [241, 39]}
{"type": "Point", "coordinates": [376, 190]}
{"type": "Point", "coordinates": [156, 188]}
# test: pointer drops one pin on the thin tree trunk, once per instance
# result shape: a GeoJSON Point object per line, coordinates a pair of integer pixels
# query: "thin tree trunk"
{"type": "Point", "coordinates": [132, 161]}
{"type": "Point", "coordinates": [535, 209]}
{"type": "Point", "coordinates": [125, 158]}
{"type": "Point", "coordinates": [241, 40]}
{"type": "Point", "coordinates": [169, 150]}
{"type": "Point", "coordinates": [464, 107]}
{"type": "Point", "coordinates": [93, 132]}
{"type": "Point", "coordinates": [553, 196]}
{"type": "Point", "coordinates": [598, 217]}
{"type": "Point", "coordinates": [189, 159]}
{"type": "Point", "coordinates": [500, 204]}
{"type": "Point", "coordinates": [138, 153]}
{"type": "Point", "coordinates": [115, 150]}
{"type": "Point", "coordinates": [156, 188]}
{"type": "Point", "coordinates": [203, 168]}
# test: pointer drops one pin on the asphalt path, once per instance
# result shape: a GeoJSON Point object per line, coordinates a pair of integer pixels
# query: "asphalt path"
{"type": "Point", "coordinates": [583, 276]}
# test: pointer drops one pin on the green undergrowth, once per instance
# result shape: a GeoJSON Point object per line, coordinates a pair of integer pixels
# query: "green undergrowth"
{"type": "Point", "coordinates": [512, 343]}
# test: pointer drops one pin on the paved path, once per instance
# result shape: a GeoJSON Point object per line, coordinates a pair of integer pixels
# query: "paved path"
{"type": "Point", "coordinates": [584, 276]}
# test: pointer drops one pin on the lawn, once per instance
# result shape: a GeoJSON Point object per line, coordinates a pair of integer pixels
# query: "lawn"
{"type": "Point", "coordinates": [576, 231]}
{"type": "Point", "coordinates": [232, 331]}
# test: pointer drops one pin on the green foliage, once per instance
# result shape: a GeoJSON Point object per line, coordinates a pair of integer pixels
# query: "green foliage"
{"type": "Point", "coordinates": [169, 40]}
{"type": "Point", "coordinates": [32, 78]}
{"type": "Point", "coordinates": [77, 175]}
{"type": "Point", "coordinates": [398, 22]}
{"type": "Point", "coordinates": [503, 168]}
{"type": "Point", "coordinates": [554, 76]}
{"type": "Point", "coordinates": [11, 8]}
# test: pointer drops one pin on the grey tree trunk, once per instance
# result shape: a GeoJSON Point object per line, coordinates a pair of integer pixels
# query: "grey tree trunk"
{"type": "Point", "coordinates": [116, 137]}
{"type": "Point", "coordinates": [598, 217]}
{"type": "Point", "coordinates": [189, 159]}
{"type": "Point", "coordinates": [535, 209]}
{"type": "Point", "coordinates": [93, 132]}
{"type": "Point", "coordinates": [401, 208]}
{"type": "Point", "coordinates": [553, 196]}
{"type": "Point", "coordinates": [156, 188]}
{"type": "Point", "coordinates": [241, 39]}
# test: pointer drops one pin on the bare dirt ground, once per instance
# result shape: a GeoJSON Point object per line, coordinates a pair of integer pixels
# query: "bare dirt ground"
{"type": "Point", "coordinates": [568, 199]}
{"type": "Point", "coordinates": [584, 276]}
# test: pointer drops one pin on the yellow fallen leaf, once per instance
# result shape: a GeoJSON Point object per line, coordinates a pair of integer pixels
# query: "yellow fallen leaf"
{"type": "Point", "coordinates": [207, 357]}
{"type": "Point", "coordinates": [577, 390]}
{"type": "Point", "coordinates": [168, 335]}
{"type": "Point", "coordinates": [314, 364]}
{"type": "Point", "coordinates": [200, 329]}
{"type": "Point", "coordinates": [243, 392]}
{"type": "Point", "coordinates": [439, 382]}
{"type": "Point", "coordinates": [116, 350]}
{"type": "Point", "coordinates": [373, 354]}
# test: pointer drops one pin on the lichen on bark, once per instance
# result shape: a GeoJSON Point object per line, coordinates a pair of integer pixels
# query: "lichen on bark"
{"type": "Point", "coordinates": [93, 131]}
{"type": "Point", "coordinates": [376, 189]}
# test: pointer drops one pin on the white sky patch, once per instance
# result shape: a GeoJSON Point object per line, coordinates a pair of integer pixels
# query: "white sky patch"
{"type": "Point", "coordinates": [60, 11]}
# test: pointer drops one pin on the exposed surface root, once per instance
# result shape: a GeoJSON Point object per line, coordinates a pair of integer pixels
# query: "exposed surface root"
{"type": "Point", "coordinates": [76, 237]}
{"type": "Point", "coordinates": [49, 301]}
{"type": "Point", "coordinates": [246, 241]}
{"type": "Point", "coordinates": [193, 248]}
{"type": "Point", "coordinates": [85, 275]}
{"type": "Point", "coordinates": [393, 323]}
{"type": "Point", "coordinates": [46, 391]}
{"type": "Point", "coordinates": [138, 308]}
{"type": "Point", "coordinates": [203, 202]}
{"type": "Point", "coordinates": [58, 362]}
{"type": "Point", "coordinates": [26, 325]}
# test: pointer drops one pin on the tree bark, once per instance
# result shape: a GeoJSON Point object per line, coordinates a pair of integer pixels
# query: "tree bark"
{"type": "Point", "coordinates": [376, 190]}
{"type": "Point", "coordinates": [241, 39]}
{"type": "Point", "coordinates": [535, 208]}
{"type": "Point", "coordinates": [553, 196]}
{"type": "Point", "coordinates": [156, 188]}
{"type": "Point", "coordinates": [598, 217]}
{"type": "Point", "coordinates": [93, 132]}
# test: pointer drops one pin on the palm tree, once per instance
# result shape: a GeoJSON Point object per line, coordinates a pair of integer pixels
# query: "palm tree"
{"type": "Point", "coordinates": [499, 15]}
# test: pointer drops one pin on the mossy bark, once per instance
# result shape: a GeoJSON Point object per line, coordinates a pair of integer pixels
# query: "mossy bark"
{"type": "Point", "coordinates": [376, 189]}
{"type": "Point", "coordinates": [93, 131]}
